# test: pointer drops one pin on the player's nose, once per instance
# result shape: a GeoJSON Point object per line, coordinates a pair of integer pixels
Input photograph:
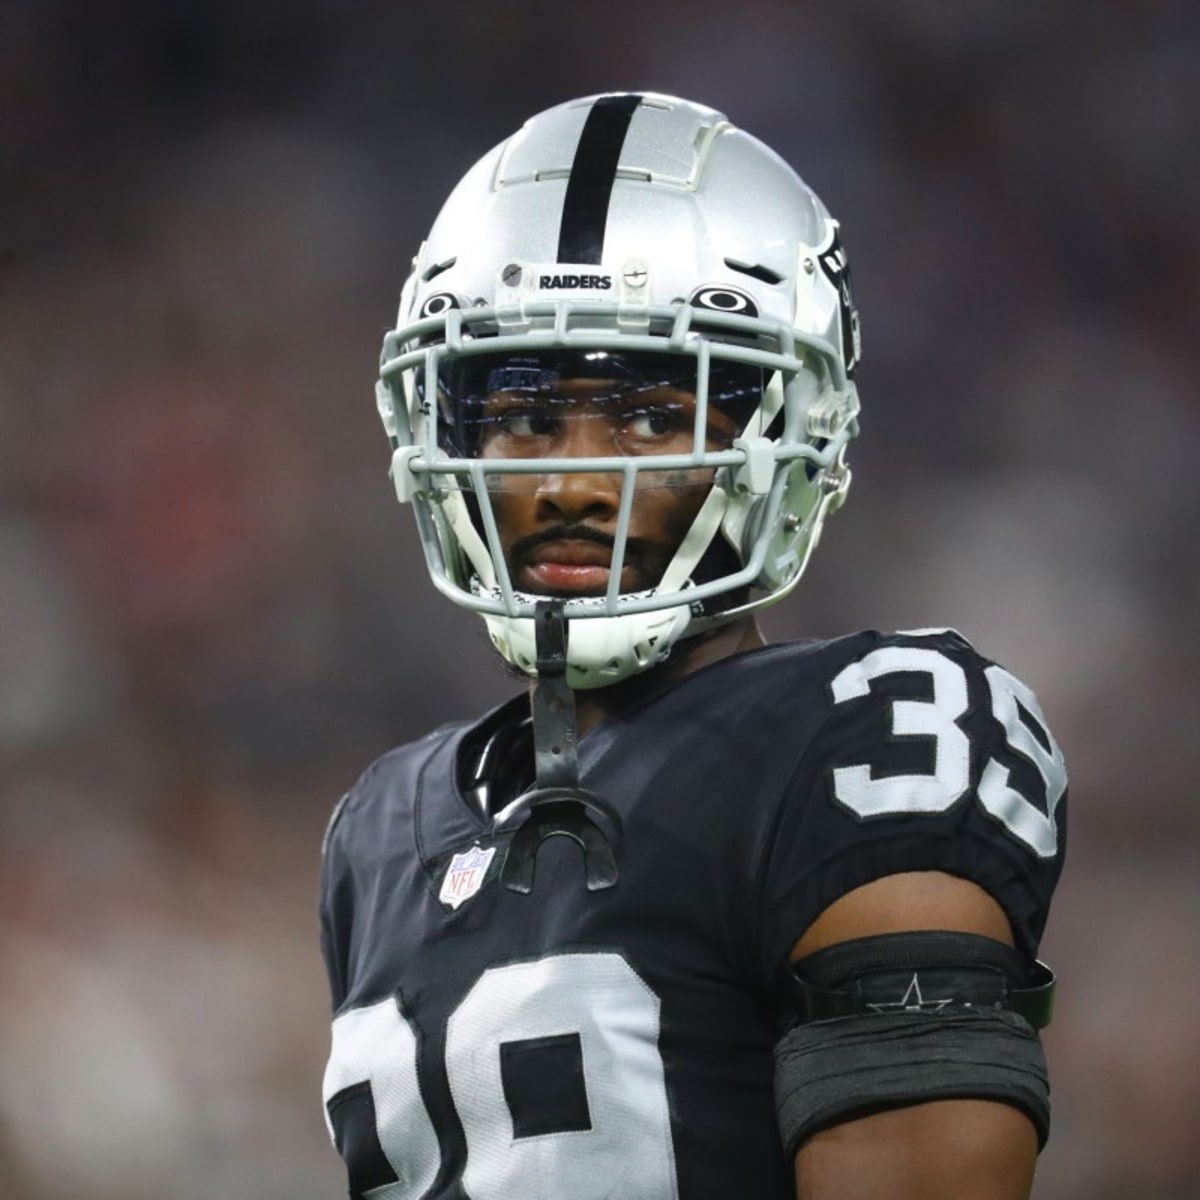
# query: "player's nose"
{"type": "Point", "coordinates": [584, 493]}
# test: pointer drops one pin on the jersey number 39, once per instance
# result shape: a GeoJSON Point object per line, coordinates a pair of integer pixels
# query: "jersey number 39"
{"type": "Point", "coordinates": [870, 794]}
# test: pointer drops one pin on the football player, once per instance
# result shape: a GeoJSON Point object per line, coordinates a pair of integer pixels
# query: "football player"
{"type": "Point", "coordinates": [691, 915]}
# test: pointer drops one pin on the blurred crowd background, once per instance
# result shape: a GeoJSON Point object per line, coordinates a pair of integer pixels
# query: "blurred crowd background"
{"type": "Point", "coordinates": [213, 614]}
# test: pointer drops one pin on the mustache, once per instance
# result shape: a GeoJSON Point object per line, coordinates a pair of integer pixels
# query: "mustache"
{"type": "Point", "coordinates": [561, 533]}
{"type": "Point", "coordinates": [567, 533]}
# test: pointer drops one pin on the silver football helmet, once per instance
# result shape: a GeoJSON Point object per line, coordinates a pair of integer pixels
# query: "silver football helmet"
{"type": "Point", "coordinates": [638, 229]}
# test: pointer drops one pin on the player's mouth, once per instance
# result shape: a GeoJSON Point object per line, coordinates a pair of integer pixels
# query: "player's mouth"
{"type": "Point", "coordinates": [579, 567]}
{"type": "Point", "coordinates": [572, 561]}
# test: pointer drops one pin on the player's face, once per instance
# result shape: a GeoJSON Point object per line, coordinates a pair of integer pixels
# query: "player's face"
{"type": "Point", "coordinates": [557, 528]}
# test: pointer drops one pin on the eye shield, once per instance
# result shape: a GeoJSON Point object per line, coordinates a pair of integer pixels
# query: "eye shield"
{"type": "Point", "coordinates": [467, 382]}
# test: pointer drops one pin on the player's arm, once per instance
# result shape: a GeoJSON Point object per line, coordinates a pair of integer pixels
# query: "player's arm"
{"type": "Point", "coordinates": [961, 1148]}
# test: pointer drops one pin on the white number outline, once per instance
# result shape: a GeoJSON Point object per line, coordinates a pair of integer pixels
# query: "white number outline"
{"type": "Point", "coordinates": [354, 1058]}
{"type": "Point", "coordinates": [597, 996]}
{"type": "Point", "coordinates": [935, 792]}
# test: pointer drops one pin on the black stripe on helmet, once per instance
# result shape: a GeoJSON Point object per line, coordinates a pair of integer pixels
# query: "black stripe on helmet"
{"type": "Point", "coordinates": [585, 209]}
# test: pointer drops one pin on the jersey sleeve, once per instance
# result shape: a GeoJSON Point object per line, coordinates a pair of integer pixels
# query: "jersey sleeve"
{"type": "Point", "coordinates": [926, 757]}
{"type": "Point", "coordinates": [334, 909]}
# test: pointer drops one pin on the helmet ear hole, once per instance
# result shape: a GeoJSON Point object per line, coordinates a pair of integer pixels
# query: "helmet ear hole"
{"type": "Point", "coordinates": [785, 546]}
{"type": "Point", "coordinates": [811, 493]}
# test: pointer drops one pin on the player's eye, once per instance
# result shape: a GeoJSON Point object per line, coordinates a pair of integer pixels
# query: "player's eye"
{"type": "Point", "coordinates": [653, 422]}
{"type": "Point", "coordinates": [525, 421]}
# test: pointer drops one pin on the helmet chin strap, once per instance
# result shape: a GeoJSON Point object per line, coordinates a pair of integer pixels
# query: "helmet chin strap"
{"type": "Point", "coordinates": [556, 804]}
{"type": "Point", "coordinates": [554, 727]}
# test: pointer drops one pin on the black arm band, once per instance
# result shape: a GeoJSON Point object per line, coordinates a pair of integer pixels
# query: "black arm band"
{"type": "Point", "coordinates": [903, 1019]}
{"type": "Point", "coordinates": [834, 1071]}
{"type": "Point", "coordinates": [925, 971]}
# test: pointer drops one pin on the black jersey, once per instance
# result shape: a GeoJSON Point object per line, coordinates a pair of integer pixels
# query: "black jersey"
{"type": "Point", "coordinates": [618, 1042]}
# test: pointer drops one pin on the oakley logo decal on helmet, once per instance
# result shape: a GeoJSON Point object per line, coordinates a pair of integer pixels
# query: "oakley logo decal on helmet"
{"type": "Point", "coordinates": [725, 299]}
{"type": "Point", "coordinates": [435, 306]}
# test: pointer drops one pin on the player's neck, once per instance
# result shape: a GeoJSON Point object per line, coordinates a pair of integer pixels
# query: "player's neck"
{"type": "Point", "coordinates": [593, 705]}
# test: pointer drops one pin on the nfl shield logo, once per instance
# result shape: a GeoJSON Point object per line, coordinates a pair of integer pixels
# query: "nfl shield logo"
{"type": "Point", "coordinates": [464, 876]}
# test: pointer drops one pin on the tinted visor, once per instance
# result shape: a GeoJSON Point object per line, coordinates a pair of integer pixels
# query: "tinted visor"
{"type": "Point", "coordinates": [478, 395]}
